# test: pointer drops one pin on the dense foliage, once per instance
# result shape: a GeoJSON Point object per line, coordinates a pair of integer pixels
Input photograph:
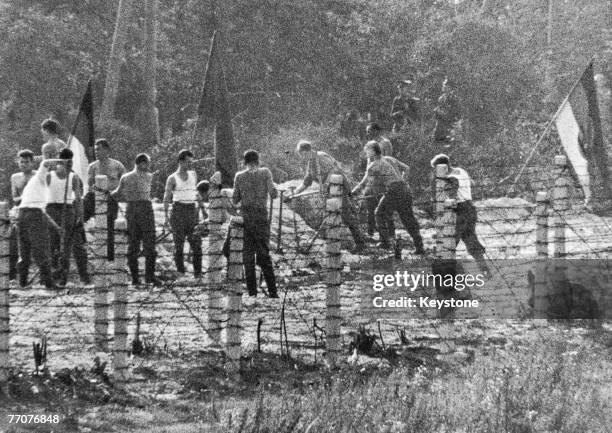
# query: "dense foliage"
{"type": "Point", "coordinates": [296, 67]}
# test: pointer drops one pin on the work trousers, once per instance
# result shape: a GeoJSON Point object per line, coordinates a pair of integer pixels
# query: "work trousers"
{"type": "Point", "coordinates": [13, 251]}
{"type": "Point", "coordinates": [141, 228]}
{"type": "Point", "coordinates": [73, 242]}
{"type": "Point", "coordinates": [466, 229]}
{"type": "Point", "coordinates": [351, 220]}
{"type": "Point", "coordinates": [33, 230]}
{"type": "Point", "coordinates": [183, 219]}
{"type": "Point", "coordinates": [112, 208]}
{"type": "Point", "coordinates": [397, 197]}
{"type": "Point", "coordinates": [257, 248]}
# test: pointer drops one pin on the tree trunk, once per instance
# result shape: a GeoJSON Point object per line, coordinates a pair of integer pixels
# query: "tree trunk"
{"type": "Point", "coordinates": [115, 59]}
{"type": "Point", "coordinates": [150, 120]}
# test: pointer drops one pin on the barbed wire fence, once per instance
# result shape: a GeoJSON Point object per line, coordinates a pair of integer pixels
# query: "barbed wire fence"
{"type": "Point", "coordinates": [321, 287]}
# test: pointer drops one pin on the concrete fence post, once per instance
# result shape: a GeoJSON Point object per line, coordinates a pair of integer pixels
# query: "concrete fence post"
{"type": "Point", "coordinates": [540, 283]}
{"type": "Point", "coordinates": [333, 237]}
{"type": "Point", "coordinates": [441, 171]}
{"type": "Point", "coordinates": [448, 230]}
{"type": "Point", "coordinates": [4, 297]}
{"type": "Point", "coordinates": [560, 205]}
{"type": "Point", "coordinates": [101, 303]}
{"type": "Point", "coordinates": [447, 264]}
{"type": "Point", "coordinates": [215, 259]}
{"type": "Point", "coordinates": [118, 278]}
{"type": "Point", "coordinates": [234, 294]}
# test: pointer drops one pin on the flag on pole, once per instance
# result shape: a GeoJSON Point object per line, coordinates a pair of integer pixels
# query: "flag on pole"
{"type": "Point", "coordinates": [214, 110]}
{"type": "Point", "coordinates": [81, 135]}
{"type": "Point", "coordinates": [579, 127]}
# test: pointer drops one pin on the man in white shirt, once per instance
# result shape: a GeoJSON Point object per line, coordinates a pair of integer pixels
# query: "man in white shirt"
{"type": "Point", "coordinates": [182, 193]}
{"type": "Point", "coordinates": [467, 217]}
{"type": "Point", "coordinates": [33, 226]}
{"type": "Point", "coordinates": [64, 206]}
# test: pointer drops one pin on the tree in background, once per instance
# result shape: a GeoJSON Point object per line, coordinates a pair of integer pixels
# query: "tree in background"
{"type": "Point", "coordinates": [115, 60]}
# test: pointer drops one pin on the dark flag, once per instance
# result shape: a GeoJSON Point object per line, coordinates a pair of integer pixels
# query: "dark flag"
{"type": "Point", "coordinates": [579, 127]}
{"type": "Point", "coordinates": [81, 139]}
{"type": "Point", "coordinates": [214, 110]}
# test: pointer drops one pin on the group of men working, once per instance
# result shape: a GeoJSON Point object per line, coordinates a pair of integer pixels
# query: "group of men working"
{"type": "Point", "coordinates": [386, 191]}
{"type": "Point", "coordinates": [51, 209]}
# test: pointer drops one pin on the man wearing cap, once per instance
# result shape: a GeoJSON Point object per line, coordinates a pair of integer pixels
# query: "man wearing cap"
{"type": "Point", "coordinates": [252, 186]}
{"type": "Point", "coordinates": [135, 189]}
{"type": "Point", "coordinates": [460, 185]}
{"type": "Point", "coordinates": [113, 170]}
{"type": "Point", "coordinates": [381, 174]}
{"type": "Point", "coordinates": [319, 166]}
{"type": "Point", "coordinates": [405, 108]}
{"type": "Point", "coordinates": [446, 113]}
{"type": "Point", "coordinates": [64, 206]}
{"type": "Point", "coordinates": [33, 226]}
{"type": "Point", "coordinates": [181, 191]}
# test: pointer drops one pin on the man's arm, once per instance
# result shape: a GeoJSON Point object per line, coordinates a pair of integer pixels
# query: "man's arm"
{"type": "Point", "coordinates": [170, 185]}
{"type": "Point", "coordinates": [14, 193]}
{"type": "Point", "coordinates": [91, 176]}
{"type": "Point", "coordinates": [270, 184]}
{"type": "Point", "coordinates": [118, 193]}
{"type": "Point", "coordinates": [236, 197]}
{"type": "Point", "coordinates": [77, 187]}
{"type": "Point", "coordinates": [404, 168]}
{"type": "Point", "coordinates": [307, 180]}
{"type": "Point", "coordinates": [361, 184]}
{"type": "Point", "coordinates": [120, 169]}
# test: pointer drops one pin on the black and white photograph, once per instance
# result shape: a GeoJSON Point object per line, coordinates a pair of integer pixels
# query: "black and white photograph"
{"type": "Point", "coordinates": [334, 216]}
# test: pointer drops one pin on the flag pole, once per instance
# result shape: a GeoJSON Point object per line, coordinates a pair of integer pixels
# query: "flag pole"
{"type": "Point", "coordinates": [548, 125]}
{"type": "Point", "coordinates": [64, 233]}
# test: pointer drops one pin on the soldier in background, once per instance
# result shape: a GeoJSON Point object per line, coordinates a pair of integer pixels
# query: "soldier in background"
{"type": "Point", "coordinates": [446, 113]}
{"type": "Point", "coordinates": [405, 107]}
{"type": "Point", "coordinates": [25, 162]}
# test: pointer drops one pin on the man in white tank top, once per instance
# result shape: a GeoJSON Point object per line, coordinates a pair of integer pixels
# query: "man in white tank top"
{"type": "Point", "coordinates": [182, 193]}
{"type": "Point", "coordinates": [64, 206]}
{"type": "Point", "coordinates": [467, 217]}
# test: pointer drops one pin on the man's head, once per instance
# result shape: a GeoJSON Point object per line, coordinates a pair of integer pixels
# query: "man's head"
{"type": "Point", "coordinates": [203, 187]}
{"type": "Point", "coordinates": [439, 159]}
{"type": "Point", "coordinates": [185, 159]}
{"type": "Point", "coordinates": [25, 160]}
{"type": "Point", "coordinates": [373, 131]}
{"type": "Point", "coordinates": [102, 148]}
{"type": "Point", "coordinates": [66, 161]}
{"type": "Point", "coordinates": [142, 162]}
{"type": "Point", "coordinates": [304, 150]}
{"type": "Point", "coordinates": [372, 150]}
{"type": "Point", "coordinates": [49, 129]}
{"type": "Point", "coordinates": [251, 158]}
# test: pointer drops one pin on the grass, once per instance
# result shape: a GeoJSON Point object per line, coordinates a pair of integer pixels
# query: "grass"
{"type": "Point", "coordinates": [559, 382]}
